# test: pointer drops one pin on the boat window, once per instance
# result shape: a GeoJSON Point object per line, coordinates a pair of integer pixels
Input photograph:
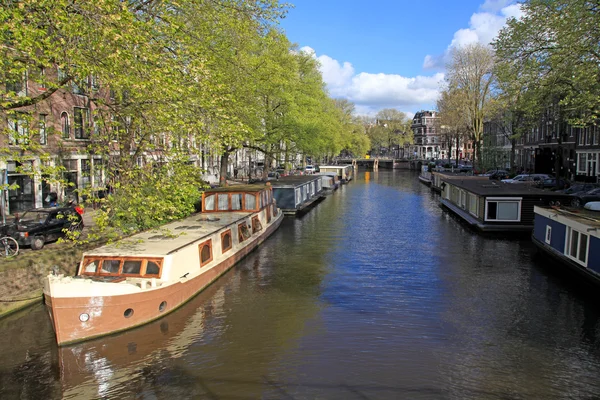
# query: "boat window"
{"type": "Point", "coordinates": [110, 266]}
{"type": "Point", "coordinates": [243, 232]}
{"type": "Point", "coordinates": [226, 242]}
{"type": "Point", "coordinates": [205, 250]}
{"type": "Point", "coordinates": [503, 209]}
{"type": "Point", "coordinates": [576, 246]}
{"type": "Point", "coordinates": [250, 202]}
{"type": "Point", "coordinates": [152, 268]}
{"type": "Point", "coordinates": [256, 225]}
{"type": "Point", "coordinates": [132, 266]}
{"type": "Point", "coordinates": [209, 202]}
{"type": "Point", "coordinates": [236, 201]}
{"type": "Point", "coordinates": [91, 267]}
{"type": "Point", "coordinates": [223, 202]}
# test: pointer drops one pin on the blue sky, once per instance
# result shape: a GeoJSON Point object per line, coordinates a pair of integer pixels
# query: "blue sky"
{"type": "Point", "coordinates": [390, 54]}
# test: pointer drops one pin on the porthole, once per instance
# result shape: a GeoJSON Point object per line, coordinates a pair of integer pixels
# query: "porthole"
{"type": "Point", "coordinates": [162, 306]}
{"type": "Point", "coordinates": [84, 317]}
{"type": "Point", "coordinates": [128, 313]}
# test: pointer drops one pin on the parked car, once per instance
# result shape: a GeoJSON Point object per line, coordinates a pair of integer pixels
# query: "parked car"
{"type": "Point", "coordinates": [38, 226]}
{"type": "Point", "coordinates": [496, 174]}
{"type": "Point", "coordinates": [527, 178]}
{"type": "Point", "coordinates": [273, 176]}
{"type": "Point", "coordinates": [310, 169]}
{"type": "Point", "coordinates": [579, 188]}
{"type": "Point", "coordinates": [550, 183]}
{"type": "Point", "coordinates": [580, 199]}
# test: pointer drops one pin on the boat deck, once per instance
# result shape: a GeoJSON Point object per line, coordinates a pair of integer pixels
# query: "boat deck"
{"type": "Point", "coordinates": [172, 236]}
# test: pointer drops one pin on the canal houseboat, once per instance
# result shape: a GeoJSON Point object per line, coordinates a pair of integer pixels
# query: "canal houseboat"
{"type": "Point", "coordinates": [571, 238]}
{"type": "Point", "coordinates": [345, 173]}
{"type": "Point", "coordinates": [296, 194]}
{"type": "Point", "coordinates": [144, 277]}
{"type": "Point", "coordinates": [439, 176]}
{"type": "Point", "coordinates": [329, 181]}
{"type": "Point", "coordinates": [491, 206]}
{"type": "Point", "coordinates": [425, 175]}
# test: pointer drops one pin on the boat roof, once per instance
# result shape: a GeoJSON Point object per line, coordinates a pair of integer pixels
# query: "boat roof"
{"type": "Point", "coordinates": [488, 187]}
{"type": "Point", "coordinates": [334, 166]}
{"type": "Point", "coordinates": [581, 215]}
{"type": "Point", "coordinates": [238, 188]}
{"type": "Point", "coordinates": [294, 180]}
{"type": "Point", "coordinates": [170, 237]}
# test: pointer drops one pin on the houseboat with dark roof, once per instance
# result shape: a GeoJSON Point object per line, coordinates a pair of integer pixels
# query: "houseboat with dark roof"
{"type": "Point", "coordinates": [492, 206]}
{"type": "Point", "coordinates": [296, 194]}
{"type": "Point", "coordinates": [571, 237]}
{"type": "Point", "coordinates": [146, 276]}
{"type": "Point", "coordinates": [439, 175]}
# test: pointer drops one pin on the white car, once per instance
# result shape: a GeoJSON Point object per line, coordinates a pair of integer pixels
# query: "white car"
{"type": "Point", "coordinates": [527, 178]}
{"type": "Point", "coordinates": [310, 169]}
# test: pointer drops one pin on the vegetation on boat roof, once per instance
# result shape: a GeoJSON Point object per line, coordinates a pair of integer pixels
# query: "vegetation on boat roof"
{"type": "Point", "coordinates": [238, 188]}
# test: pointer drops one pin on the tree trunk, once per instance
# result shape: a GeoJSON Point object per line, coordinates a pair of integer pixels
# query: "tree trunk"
{"type": "Point", "coordinates": [223, 168]}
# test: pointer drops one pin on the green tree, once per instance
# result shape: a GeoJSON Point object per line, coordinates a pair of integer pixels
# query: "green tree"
{"type": "Point", "coordinates": [553, 51]}
{"type": "Point", "coordinates": [471, 73]}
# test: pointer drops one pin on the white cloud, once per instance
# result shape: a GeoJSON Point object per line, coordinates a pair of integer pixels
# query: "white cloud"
{"type": "Point", "coordinates": [373, 92]}
{"type": "Point", "coordinates": [483, 28]}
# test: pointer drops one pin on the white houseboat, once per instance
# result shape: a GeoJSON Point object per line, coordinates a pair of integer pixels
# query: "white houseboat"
{"type": "Point", "coordinates": [146, 276]}
{"type": "Point", "coordinates": [345, 173]}
{"type": "Point", "coordinates": [425, 175]}
{"type": "Point", "coordinates": [570, 237]}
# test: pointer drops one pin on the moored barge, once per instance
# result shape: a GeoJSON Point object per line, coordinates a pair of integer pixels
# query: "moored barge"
{"type": "Point", "coordinates": [144, 277]}
{"type": "Point", "coordinates": [491, 206]}
{"type": "Point", "coordinates": [571, 238]}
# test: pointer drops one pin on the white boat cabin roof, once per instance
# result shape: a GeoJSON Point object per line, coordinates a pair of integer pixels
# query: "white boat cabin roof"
{"type": "Point", "coordinates": [227, 205]}
{"type": "Point", "coordinates": [170, 237]}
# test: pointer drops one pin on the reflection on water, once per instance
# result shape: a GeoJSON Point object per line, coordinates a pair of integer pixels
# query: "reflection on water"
{"type": "Point", "coordinates": [376, 293]}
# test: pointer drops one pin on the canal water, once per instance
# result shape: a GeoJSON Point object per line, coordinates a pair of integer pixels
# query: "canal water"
{"type": "Point", "coordinates": [375, 294]}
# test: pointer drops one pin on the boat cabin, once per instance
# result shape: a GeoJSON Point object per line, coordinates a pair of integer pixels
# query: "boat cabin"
{"type": "Point", "coordinates": [493, 206]}
{"type": "Point", "coordinates": [296, 193]}
{"type": "Point", "coordinates": [345, 173]}
{"type": "Point", "coordinates": [438, 177]}
{"type": "Point", "coordinates": [237, 198]}
{"type": "Point", "coordinates": [238, 211]}
{"type": "Point", "coordinates": [571, 237]}
{"type": "Point", "coordinates": [329, 180]}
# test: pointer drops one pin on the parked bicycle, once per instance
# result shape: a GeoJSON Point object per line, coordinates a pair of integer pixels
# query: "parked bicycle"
{"type": "Point", "coordinates": [9, 247]}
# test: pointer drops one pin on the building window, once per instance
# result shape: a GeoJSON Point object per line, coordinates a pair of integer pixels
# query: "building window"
{"type": "Point", "coordinates": [19, 88]}
{"type": "Point", "coordinates": [80, 116]}
{"type": "Point", "coordinates": [503, 209]}
{"type": "Point", "coordinates": [226, 242]}
{"type": "Point", "coordinates": [65, 125]}
{"type": "Point", "coordinates": [576, 246]}
{"type": "Point", "coordinates": [548, 234]}
{"type": "Point", "coordinates": [205, 251]}
{"type": "Point", "coordinates": [18, 130]}
{"type": "Point", "coordinates": [581, 163]}
{"type": "Point", "coordinates": [43, 133]}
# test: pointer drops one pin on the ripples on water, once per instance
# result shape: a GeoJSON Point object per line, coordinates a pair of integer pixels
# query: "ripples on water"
{"type": "Point", "coordinates": [375, 294]}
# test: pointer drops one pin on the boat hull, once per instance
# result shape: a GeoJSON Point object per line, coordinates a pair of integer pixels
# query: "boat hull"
{"type": "Point", "coordinates": [108, 313]}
